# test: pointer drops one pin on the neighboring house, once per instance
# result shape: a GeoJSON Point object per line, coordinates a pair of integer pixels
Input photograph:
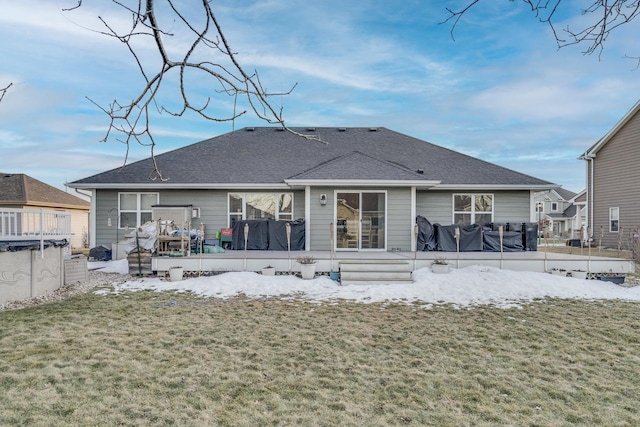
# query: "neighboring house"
{"type": "Point", "coordinates": [579, 217]}
{"type": "Point", "coordinates": [370, 183]}
{"type": "Point", "coordinates": [613, 177]}
{"type": "Point", "coordinates": [20, 191]}
{"type": "Point", "coordinates": [560, 212]}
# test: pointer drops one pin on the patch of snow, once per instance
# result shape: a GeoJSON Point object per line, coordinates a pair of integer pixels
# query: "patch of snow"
{"type": "Point", "coordinates": [465, 287]}
{"type": "Point", "coordinates": [120, 266]}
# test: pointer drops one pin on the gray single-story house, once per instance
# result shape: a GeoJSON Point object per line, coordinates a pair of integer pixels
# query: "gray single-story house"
{"type": "Point", "coordinates": [364, 185]}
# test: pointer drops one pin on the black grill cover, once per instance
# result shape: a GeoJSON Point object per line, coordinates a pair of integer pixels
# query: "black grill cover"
{"type": "Point", "coordinates": [426, 236]}
{"type": "Point", "coordinates": [278, 235]}
{"type": "Point", "coordinates": [470, 238]}
{"type": "Point", "coordinates": [511, 241]}
{"type": "Point", "coordinates": [258, 238]}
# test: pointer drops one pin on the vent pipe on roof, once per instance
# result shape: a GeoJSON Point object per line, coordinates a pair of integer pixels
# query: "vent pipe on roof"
{"type": "Point", "coordinates": [342, 129]}
{"type": "Point", "coordinates": [250, 129]}
{"type": "Point", "coordinates": [373, 129]}
{"type": "Point", "coordinates": [280, 129]}
{"type": "Point", "coordinates": [311, 129]}
{"type": "Point", "coordinates": [420, 171]}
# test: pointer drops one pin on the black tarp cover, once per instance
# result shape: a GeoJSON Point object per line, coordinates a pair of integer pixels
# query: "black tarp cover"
{"type": "Point", "coordinates": [258, 238]}
{"type": "Point", "coordinates": [23, 245]}
{"type": "Point", "coordinates": [426, 236]}
{"type": "Point", "coordinates": [530, 236]}
{"type": "Point", "coordinates": [268, 235]}
{"type": "Point", "coordinates": [470, 237]}
{"type": "Point", "coordinates": [100, 253]}
{"type": "Point", "coordinates": [511, 241]}
{"type": "Point", "coordinates": [278, 235]}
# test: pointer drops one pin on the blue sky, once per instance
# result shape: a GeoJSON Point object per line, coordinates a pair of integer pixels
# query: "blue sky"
{"type": "Point", "coordinates": [501, 91]}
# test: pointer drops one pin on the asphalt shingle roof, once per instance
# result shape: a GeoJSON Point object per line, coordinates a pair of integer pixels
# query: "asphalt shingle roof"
{"type": "Point", "coordinates": [265, 155]}
{"type": "Point", "coordinates": [21, 189]}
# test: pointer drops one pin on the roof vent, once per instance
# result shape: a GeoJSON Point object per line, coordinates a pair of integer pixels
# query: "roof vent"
{"type": "Point", "coordinates": [342, 129]}
{"type": "Point", "coordinates": [311, 129]}
{"type": "Point", "coordinates": [250, 129]}
{"type": "Point", "coordinates": [373, 129]}
{"type": "Point", "coordinates": [420, 171]}
{"type": "Point", "coordinates": [280, 129]}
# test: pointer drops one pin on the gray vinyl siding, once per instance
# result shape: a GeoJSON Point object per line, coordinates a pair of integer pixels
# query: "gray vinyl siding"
{"type": "Point", "coordinates": [399, 222]}
{"type": "Point", "coordinates": [509, 206]}
{"type": "Point", "coordinates": [212, 204]}
{"type": "Point", "coordinates": [512, 206]}
{"type": "Point", "coordinates": [298, 205]}
{"type": "Point", "coordinates": [616, 177]}
{"type": "Point", "coordinates": [436, 206]}
{"type": "Point", "coordinates": [321, 218]}
{"type": "Point", "coordinates": [106, 200]}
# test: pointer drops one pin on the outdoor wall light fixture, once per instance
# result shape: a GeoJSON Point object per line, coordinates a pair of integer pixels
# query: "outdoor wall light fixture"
{"type": "Point", "coordinates": [323, 199]}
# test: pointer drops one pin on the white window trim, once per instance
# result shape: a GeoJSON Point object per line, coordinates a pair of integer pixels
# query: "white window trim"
{"type": "Point", "coordinates": [276, 196]}
{"type": "Point", "coordinates": [611, 219]}
{"type": "Point", "coordinates": [556, 206]}
{"type": "Point", "coordinates": [473, 206]}
{"type": "Point", "coordinates": [137, 211]}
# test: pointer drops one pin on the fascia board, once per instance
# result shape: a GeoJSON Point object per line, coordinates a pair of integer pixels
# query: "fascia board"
{"type": "Point", "coordinates": [180, 186]}
{"type": "Point", "coordinates": [360, 183]}
{"type": "Point", "coordinates": [495, 187]}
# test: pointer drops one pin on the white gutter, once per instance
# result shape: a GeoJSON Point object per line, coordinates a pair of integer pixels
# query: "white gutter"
{"type": "Point", "coordinates": [360, 183]}
{"type": "Point", "coordinates": [591, 190]}
{"type": "Point", "coordinates": [181, 186]}
{"type": "Point", "coordinates": [495, 187]}
{"type": "Point", "coordinates": [92, 221]}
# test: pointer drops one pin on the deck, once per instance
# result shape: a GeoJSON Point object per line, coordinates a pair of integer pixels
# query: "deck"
{"type": "Point", "coordinates": [539, 261]}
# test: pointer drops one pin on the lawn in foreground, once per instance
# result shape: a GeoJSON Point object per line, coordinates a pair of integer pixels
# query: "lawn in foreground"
{"type": "Point", "coordinates": [172, 359]}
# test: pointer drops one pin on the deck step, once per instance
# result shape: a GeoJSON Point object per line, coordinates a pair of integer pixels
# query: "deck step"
{"type": "Point", "coordinates": [367, 272]}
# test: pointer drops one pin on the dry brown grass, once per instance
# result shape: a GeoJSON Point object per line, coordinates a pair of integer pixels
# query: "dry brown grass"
{"type": "Point", "coordinates": [160, 359]}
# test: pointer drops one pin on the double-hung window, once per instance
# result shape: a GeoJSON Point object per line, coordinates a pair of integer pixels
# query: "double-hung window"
{"type": "Point", "coordinates": [472, 209]}
{"type": "Point", "coordinates": [278, 206]}
{"type": "Point", "coordinates": [614, 220]}
{"type": "Point", "coordinates": [134, 209]}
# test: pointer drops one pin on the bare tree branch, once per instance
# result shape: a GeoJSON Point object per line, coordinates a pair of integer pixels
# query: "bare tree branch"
{"type": "Point", "coordinates": [4, 90]}
{"type": "Point", "coordinates": [227, 77]}
{"type": "Point", "coordinates": [605, 16]}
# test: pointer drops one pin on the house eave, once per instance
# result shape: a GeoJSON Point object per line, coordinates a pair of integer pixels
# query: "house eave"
{"type": "Point", "coordinates": [301, 183]}
{"type": "Point", "coordinates": [179, 186]}
{"type": "Point", "coordinates": [495, 187]}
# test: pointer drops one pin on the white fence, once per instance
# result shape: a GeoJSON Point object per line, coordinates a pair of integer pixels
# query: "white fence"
{"type": "Point", "coordinates": [34, 224]}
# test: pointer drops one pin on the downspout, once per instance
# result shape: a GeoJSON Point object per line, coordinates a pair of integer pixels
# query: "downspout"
{"type": "Point", "coordinates": [413, 214]}
{"type": "Point", "coordinates": [92, 221]}
{"type": "Point", "coordinates": [91, 229]}
{"type": "Point", "coordinates": [590, 193]}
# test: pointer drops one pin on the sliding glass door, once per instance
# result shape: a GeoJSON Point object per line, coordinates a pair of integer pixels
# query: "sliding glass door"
{"type": "Point", "coordinates": [360, 220]}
